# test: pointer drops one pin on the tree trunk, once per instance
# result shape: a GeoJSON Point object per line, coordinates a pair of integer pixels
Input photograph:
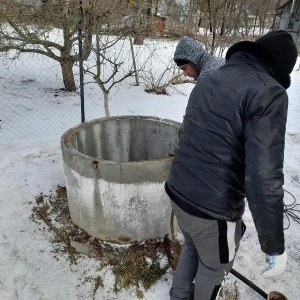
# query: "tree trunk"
{"type": "Point", "coordinates": [133, 61]}
{"type": "Point", "coordinates": [156, 8]}
{"type": "Point", "coordinates": [213, 42]}
{"type": "Point", "coordinates": [275, 14]}
{"type": "Point", "coordinates": [224, 19]}
{"type": "Point", "coordinates": [209, 17]}
{"type": "Point", "coordinates": [68, 76]}
{"type": "Point", "coordinates": [66, 61]}
{"type": "Point", "coordinates": [106, 107]}
{"type": "Point", "coordinates": [255, 20]}
{"type": "Point", "coordinates": [201, 15]}
{"type": "Point", "coordinates": [148, 18]}
{"type": "Point", "coordinates": [138, 39]}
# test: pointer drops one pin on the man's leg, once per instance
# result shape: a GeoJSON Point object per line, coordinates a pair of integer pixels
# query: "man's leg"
{"type": "Point", "coordinates": [187, 265]}
{"type": "Point", "coordinates": [186, 270]}
{"type": "Point", "coordinates": [216, 243]}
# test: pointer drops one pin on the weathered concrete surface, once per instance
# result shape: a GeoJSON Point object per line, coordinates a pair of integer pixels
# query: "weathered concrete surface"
{"type": "Point", "coordinates": [115, 170]}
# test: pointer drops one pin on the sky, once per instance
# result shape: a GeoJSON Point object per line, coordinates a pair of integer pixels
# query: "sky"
{"type": "Point", "coordinates": [34, 114]}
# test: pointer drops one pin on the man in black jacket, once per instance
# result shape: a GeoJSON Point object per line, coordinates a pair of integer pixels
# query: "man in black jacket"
{"type": "Point", "coordinates": [231, 147]}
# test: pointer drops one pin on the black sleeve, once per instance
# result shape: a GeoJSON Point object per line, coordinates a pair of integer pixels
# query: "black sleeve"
{"type": "Point", "coordinates": [264, 155]}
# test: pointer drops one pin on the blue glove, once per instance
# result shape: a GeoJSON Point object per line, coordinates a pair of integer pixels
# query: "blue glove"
{"type": "Point", "coordinates": [277, 264]}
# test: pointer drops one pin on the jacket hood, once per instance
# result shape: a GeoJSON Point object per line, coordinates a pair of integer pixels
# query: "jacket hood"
{"type": "Point", "coordinates": [276, 51]}
{"type": "Point", "coordinates": [189, 49]}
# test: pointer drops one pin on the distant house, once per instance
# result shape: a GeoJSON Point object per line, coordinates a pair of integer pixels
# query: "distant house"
{"type": "Point", "coordinates": [288, 18]}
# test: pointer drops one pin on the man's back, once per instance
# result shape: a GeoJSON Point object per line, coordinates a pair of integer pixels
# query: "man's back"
{"type": "Point", "coordinates": [231, 146]}
{"type": "Point", "coordinates": [209, 165]}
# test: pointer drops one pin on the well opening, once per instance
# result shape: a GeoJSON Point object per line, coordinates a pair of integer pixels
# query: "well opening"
{"type": "Point", "coordinates": [126, 140]}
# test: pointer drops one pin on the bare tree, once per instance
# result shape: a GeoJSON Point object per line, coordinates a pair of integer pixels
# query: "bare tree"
{"type": "Point", "coordinates": [110, 68]}
{"type": "Point", "coordinates": [25, 28]}
{"type": "Point", "coordinates": [266, 14]}
{"type": "Point", "coordinates": [227, 21]}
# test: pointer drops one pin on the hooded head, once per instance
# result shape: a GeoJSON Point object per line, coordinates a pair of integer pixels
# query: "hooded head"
{"type": "Point", "coordinates": [190, 50]}
{"type": "Point", "coordinates": [282, 48]}
{"type": "Point", "coordinates": [276, 50]}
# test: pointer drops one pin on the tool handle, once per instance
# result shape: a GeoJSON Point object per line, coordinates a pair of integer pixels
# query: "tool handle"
{"type": "Point", "coordinates": [249, 283]}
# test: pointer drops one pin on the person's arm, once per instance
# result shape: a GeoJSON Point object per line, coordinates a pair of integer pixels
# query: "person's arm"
{"type": "Point", "coordinates": [264, 154]}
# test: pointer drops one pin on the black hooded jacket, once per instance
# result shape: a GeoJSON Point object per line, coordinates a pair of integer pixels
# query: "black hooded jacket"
{"type": "Point", "coordinates": [232, 145]}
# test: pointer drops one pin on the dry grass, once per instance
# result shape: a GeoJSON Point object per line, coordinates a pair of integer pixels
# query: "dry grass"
{"type": "Point", "coordinates": [229, 291]}
{"type": "Point", "coordinates": [137, 265]}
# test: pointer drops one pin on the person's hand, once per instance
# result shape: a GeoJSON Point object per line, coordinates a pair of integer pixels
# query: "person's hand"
{"type": "Point", "coordinates": [277, 264]}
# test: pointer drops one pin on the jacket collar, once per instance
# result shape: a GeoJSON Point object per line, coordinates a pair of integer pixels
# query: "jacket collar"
{"type": "Point", "coordinates": [264, 57]}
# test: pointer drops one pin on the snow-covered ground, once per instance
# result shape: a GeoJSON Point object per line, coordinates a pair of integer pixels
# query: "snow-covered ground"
{"type": "Point", "coordinates": [31, 163]}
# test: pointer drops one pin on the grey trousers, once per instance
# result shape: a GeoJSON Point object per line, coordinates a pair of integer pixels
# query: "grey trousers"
{"type": "Point", "coordinates": [207, 255]}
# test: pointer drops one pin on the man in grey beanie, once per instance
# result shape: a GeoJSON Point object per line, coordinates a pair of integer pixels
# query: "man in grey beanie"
{"type": "Point", "coordinates": [194, 60]}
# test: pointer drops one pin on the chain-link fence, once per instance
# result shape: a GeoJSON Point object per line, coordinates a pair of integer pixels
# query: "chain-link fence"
{"type": "Point", "coordinates": [34, 101]}
{"type": "Point", "coordinates": [67, 61]}
{"type": "Point", "coordinates": [60, 66]}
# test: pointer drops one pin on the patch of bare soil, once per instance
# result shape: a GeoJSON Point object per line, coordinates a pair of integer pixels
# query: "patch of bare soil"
{"type": "Point", "coordinates": [276, 296]}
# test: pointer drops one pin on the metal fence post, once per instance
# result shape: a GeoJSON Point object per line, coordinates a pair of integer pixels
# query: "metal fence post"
{"type": "Point", "coordinates": [81, 76]}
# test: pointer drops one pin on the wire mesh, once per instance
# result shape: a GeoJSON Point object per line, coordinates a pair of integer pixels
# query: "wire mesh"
{"type": "Point", "coordinates": [39, 60]}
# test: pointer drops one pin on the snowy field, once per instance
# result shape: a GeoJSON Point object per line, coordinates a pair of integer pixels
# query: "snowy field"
{"type": "Point", "coordinates": [31, 163]}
